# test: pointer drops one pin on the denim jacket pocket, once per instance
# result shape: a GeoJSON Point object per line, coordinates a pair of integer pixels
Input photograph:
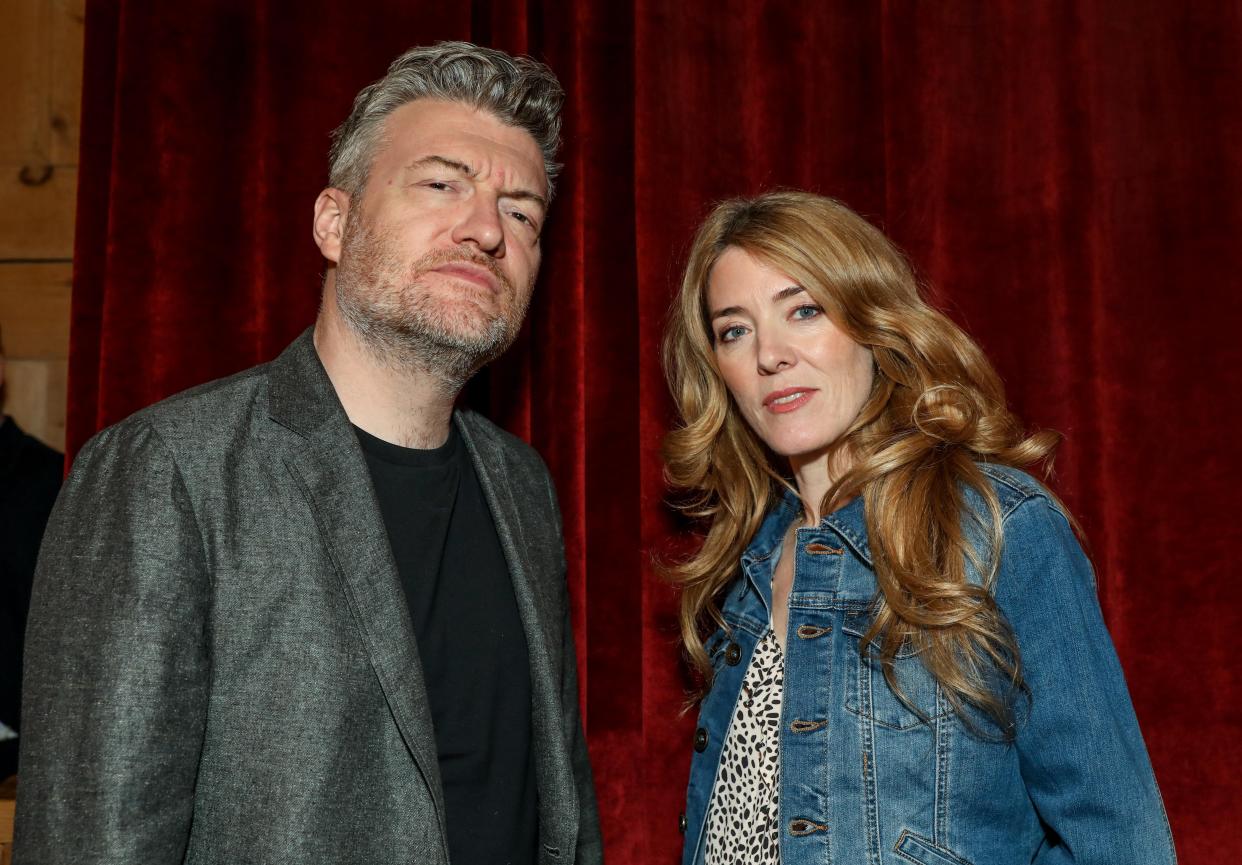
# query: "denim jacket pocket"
{"type": "Point", "coordinates": [919, 850]}
{"type": "Point", "coordinates": [869, 695]}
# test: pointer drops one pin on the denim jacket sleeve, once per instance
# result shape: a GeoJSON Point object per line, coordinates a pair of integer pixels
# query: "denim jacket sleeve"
{"type": "Point", "coordinates": [1080, 751]}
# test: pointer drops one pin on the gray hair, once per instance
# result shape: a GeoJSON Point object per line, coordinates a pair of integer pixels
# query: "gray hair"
{"type": "Point", "coordinates": [519, 91]}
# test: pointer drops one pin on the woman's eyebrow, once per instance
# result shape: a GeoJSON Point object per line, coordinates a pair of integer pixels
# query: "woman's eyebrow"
{"type": "Point", "coordinates": [786, 293]}
{"type": "Point", "coordinates": [783, 294]}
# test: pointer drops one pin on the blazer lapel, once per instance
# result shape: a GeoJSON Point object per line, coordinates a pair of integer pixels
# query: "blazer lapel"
{"type": "Point", "coordinates": [558, 806]}
{"type": "Point", "coordinates": [332, 474]}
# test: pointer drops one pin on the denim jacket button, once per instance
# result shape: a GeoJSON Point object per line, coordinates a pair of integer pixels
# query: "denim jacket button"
{"type": "Point", "coordinates": [733, 654]}
{"type": "Point", "coordinates": [802, 826]}
{"type": "Point", "coordinates": [700, 740]}
{"type": "Point", "coordinates": [681, 822]}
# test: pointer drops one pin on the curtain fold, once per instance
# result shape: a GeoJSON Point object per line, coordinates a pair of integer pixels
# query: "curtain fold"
{"type": "Point", "coordinates": [1067, 177]}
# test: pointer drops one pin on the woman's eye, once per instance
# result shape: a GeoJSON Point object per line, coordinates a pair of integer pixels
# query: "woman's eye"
{"type": "Point", "coordinates": [807, 310]}
{"type": "Point", "coordinates": [729, 334]}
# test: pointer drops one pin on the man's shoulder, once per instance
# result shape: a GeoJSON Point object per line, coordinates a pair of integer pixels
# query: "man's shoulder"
{"type": "Point", "coordinates": [198, 418]}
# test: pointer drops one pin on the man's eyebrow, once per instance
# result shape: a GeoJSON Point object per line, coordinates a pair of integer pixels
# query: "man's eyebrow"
{"type": "Point", "coordinates": [525, 195]}
{"type": "Point", "coordinates": [445, 162]}
{"type": "Point", "coordinates": [783, 294]}
{"type": "Point", "coordinates": [465, 170]}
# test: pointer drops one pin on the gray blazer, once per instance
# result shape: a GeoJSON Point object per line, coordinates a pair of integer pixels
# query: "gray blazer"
{"type": "Point", "coordinates": [220, 663]}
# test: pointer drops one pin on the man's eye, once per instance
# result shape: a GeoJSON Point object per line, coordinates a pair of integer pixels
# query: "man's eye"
{"type": "Point", "coordinates": [440, 185]}
{"type": "Point", "coordinates": [527, 221]}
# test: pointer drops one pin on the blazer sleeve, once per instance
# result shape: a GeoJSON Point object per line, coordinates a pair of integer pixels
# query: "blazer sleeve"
{"type": "Point", "coordinates": [1080, 751]}
{"type": "Point", "coordinates": [116, 663]}
{"type": "Point", "coordinates": [590, 849]}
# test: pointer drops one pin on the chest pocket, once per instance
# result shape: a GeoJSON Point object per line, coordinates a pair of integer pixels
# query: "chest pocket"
{"type": "Point", "coordinates": [868, 694]}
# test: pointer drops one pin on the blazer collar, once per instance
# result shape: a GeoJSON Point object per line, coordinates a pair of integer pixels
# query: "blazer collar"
{"type": "Point", "coordinates": [332, 474]}
{"type": "Point", "coordinates": [300, 394]}
{"type": "Point", "coordinates": [558, 814]}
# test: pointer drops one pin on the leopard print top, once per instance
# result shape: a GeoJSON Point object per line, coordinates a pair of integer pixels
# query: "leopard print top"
{"type": "Point", "coordinates": [742, 817]}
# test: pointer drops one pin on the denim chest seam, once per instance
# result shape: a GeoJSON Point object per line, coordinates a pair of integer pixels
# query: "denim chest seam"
{"type": "Point", "coordinates": [940, 817]}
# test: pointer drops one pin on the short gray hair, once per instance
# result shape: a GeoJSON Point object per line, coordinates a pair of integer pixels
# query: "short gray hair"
{"type": "Point", "coordinates": [519, 91]}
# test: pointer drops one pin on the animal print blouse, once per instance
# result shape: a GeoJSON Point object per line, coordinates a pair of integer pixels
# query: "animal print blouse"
{"type": "Point", "coordinates": [742, 815]}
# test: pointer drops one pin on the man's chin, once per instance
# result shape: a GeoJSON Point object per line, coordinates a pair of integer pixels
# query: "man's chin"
{"type": "Point", "coordinates": [477, 336]}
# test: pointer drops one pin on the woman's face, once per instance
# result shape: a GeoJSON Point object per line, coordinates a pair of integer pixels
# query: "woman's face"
{"type": "Point", "coordinates": [796, 377]}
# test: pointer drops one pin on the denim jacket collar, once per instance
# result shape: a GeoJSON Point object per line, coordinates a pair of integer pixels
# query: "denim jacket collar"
{"type": "Point", "coordinates": [759, 559]}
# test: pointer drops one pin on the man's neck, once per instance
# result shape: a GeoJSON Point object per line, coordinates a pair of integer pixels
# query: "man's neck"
{"type": "Point", "coordinates": [394, 402]}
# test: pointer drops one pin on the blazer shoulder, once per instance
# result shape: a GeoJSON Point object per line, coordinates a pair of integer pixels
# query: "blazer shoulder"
{"type": "Point", "coordinates": [200, 417]}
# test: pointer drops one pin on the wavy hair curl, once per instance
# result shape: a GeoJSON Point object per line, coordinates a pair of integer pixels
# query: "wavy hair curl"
{"type": "Point", "coordinates": [936, 410]}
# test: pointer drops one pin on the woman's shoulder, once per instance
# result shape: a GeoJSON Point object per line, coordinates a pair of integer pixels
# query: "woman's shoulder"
{"type": "Point", "coordinates": [1029, 513]}
{"type": "Point", "coordinates": [1013, 487]}
{"type": "Point", "coordinates": [1034, 523]}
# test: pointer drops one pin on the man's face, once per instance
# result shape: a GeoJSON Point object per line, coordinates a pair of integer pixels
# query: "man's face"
{"type": "Point", "coordinates": [439, 256]}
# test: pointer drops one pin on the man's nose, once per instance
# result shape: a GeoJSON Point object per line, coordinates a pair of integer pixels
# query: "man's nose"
{"type": "Point", "coordinates": [480, 225]}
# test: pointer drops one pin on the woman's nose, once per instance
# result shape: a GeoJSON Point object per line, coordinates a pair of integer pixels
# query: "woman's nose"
{"type": "Point", "coordinates": [773, 355]}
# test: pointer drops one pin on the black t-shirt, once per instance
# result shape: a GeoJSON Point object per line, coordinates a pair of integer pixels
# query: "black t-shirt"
{"type": "Point", "coordinates": [470, 641]}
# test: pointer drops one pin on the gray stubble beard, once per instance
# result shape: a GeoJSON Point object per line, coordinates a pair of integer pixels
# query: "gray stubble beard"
{"type": "Point", "coordinates": [389, 310]}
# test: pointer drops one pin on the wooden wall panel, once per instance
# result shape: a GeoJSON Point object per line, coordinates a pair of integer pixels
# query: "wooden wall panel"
{"type": "Point", "coordinates": [25, 67]}
{"type": "Point", "coordinates": [65, 87]}
{"type": "Point", "coordinates": [34, 309]}
{"type": "Point", "coordinates": [36, 222]}
{"type": "Point", "coordinates": [41, 65]}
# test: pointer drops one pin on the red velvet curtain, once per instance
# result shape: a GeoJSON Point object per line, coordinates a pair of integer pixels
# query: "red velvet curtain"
{"type": "Point", "coordinates": [1066, 175]}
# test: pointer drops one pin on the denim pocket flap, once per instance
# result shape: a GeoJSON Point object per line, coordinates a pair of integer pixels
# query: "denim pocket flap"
{"type": "Point", "coordinates": [918, 849]}
{"type": "Point", "coordinates": [856, 625]}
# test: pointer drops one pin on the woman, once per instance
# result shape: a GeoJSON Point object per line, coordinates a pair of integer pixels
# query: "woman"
{"type": "Point", "coordinates": [903, 653]}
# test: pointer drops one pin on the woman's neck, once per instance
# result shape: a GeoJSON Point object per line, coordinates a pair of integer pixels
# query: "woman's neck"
{"type": "Point", "coordinates": [814, 476]}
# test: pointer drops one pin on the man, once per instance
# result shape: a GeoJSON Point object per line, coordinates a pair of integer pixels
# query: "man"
{"type": "Point", "coordinates": [310, 613]}
{"type": "Point", "coordinates": [30, 474]}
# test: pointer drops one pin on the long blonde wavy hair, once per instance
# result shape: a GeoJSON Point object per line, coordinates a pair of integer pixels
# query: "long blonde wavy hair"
{"type": "Point", "coordinates": [935, 412]}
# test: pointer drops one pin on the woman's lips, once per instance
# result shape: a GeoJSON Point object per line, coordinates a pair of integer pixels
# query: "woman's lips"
{"type": "Point", "coordinates": [789, 399]}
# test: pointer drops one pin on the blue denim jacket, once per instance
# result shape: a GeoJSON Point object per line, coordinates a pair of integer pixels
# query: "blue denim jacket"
{"type": "Point", "coordinates": [865, 781]}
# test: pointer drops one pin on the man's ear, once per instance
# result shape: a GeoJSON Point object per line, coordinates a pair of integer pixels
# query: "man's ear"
{"type": "Point", "coordinates": [331, 210]}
